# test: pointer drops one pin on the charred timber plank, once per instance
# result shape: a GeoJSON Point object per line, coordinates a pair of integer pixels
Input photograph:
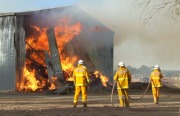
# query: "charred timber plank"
{"type": "Point", "coordinates": [57, 69]}
{"type": "Point", "coordinates": [48, 64]}
{"type": "Point", "coordinates": [36, 62]}
{"type": "Point", "coordinates": [35, 51]}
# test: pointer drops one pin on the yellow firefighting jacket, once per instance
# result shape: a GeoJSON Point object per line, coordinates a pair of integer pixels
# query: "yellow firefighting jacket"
{"type": "Point", "coordinates": [80, 75]}
{"type": "Point", "coordinates": [123, 78]}
{"type": "Point", "coordinates": [155, 78]}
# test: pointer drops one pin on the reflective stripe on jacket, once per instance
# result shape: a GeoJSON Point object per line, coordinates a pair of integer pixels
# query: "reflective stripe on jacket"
{"type": "Point", "coordinates": [80, 75]}
{"type": "Point", "coordinates": [156, 77]}
{"type": "Point", "coordinates": [123, 78]}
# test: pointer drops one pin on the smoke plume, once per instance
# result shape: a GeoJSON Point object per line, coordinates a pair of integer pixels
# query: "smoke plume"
{"type": "Point", "coordinates": [136, 45]}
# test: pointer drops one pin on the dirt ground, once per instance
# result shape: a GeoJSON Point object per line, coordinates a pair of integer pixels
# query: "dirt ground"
{"type": "Point", "coordinates": [39, 104]}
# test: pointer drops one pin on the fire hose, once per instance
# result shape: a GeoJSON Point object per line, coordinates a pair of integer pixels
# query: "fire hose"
{"type": "Point", "coordinates": [112, 94]}
{"type": "Point", "coordinates": [128, 95]}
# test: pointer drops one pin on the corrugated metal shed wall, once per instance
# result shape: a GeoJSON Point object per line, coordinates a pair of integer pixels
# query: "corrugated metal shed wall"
{"type": "Point", "coordinates": [7, 53]}
{"type": "Point", "coordinates": [20, 45]}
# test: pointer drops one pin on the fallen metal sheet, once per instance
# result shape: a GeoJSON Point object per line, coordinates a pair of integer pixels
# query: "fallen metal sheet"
{"type": "Point", "coordinates": [55, 57]}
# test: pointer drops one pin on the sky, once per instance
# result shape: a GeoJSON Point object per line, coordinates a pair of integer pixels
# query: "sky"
{"type": "Point", "coordinates": [134, 43]}
{"type": "Point", "coordinates": [31, 5]}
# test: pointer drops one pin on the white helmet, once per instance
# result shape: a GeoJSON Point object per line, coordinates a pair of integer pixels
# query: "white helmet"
{"type": "Point", "coordinates": [121, 64]}
{"type": "Point", "coordinates": [156, 67]}
{"type": "Point", "coordinates": [80, 62]}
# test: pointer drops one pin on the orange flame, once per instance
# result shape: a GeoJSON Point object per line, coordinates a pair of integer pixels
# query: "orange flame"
{"type": "Point", "coordinates": [104, 79]}
{"type": "Point", "coordinates": [29, 81]}
{"type": "Point", "coordinates": [64, 33]}
{"type": "Point", "coordinates": [53, 83]}
{"type": "Point", "coordinates": [70, 79]}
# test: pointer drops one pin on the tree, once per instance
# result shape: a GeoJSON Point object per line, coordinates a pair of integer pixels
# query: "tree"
{"type": "Point", "coordinates": [144, 70]}
{"type": "Point", "coordinates": [153, 8]}
{"type": "Point", "coordinates": [133, 70]}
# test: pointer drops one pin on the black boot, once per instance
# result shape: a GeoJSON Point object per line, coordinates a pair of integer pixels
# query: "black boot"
{"type": "Point", "coordinates": [157, 100]}
{"type": "Point", "coordinates": [84, 105]}
{"type": "Point", "coordinates": [74, 106]}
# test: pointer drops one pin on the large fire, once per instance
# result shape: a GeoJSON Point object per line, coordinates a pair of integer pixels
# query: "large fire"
{"type": "Point", "coordinates": [64, 33]}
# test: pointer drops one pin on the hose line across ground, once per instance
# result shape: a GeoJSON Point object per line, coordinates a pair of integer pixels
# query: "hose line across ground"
{"type": "Point", "coordinates": [128, 95]}
{"type": "Point", "coordinates": [142, 94]}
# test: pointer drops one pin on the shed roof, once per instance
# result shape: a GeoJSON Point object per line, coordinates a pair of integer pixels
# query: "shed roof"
{"type": "Point", "coordinates": [29, 12]}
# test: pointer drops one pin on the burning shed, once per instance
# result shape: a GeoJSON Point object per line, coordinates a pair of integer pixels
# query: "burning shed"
{"type": "Point", "coordinates": [40, 49]}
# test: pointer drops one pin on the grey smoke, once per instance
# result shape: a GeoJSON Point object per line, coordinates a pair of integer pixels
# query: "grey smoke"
{"type": "Point", "coordinates": [154, 43]}
{"type": "Point", "coordinates": [134, 43]}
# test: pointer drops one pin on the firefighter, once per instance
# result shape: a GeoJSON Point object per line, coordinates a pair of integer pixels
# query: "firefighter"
{"type": "Point", "coordinates": [81, 80]}
{"type": "Point", "coordinates": [123, 78]}
{"type": "Point", "coordinates": [155, 78]}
